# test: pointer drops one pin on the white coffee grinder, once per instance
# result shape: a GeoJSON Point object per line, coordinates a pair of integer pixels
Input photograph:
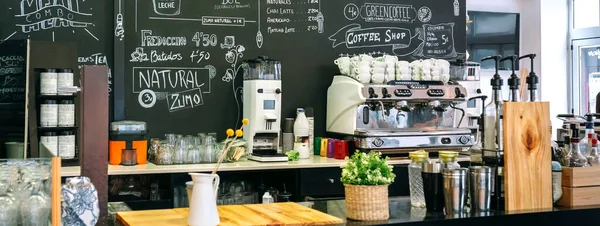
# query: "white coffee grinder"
{"type": "Point", "coordinates": [262, 106]}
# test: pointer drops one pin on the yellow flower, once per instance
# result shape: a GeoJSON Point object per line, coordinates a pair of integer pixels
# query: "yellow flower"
{"type": "Point", "coordinates": [229, 132]}
{"type": "Point", "coordinates": [245, 121]}
{"type": "Point", "coordinates": [239, 133]}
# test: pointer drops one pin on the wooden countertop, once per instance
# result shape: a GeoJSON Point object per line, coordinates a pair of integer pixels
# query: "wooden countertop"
{"type": "Point", "coordinates": [150, 168]}
{"type": "Point", "coordinates": [288, 213]}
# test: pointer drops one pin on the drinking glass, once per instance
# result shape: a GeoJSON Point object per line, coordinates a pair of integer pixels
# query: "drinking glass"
{"type": "Point", "coordinates": [9, 207]}
{"type": "Point", "coordinates": [194, 151]}
{"type": "Point", "coordinates": [35, 210]}
{"type": "Point", "coordinates": [180, 150]}
{"type": "Point", "coordinates": [165, 153]}
{"type": "Point", "coordinates": [209, 149]}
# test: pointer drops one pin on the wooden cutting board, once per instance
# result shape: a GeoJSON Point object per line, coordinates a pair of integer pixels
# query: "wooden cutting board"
{"type": "Point", "coordinates": [527, 156]}
{"type": "Point", "coordinates": [257, 214]}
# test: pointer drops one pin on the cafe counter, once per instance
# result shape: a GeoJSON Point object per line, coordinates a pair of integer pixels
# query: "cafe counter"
{"type": "Point", "coordinates": [401, 213]}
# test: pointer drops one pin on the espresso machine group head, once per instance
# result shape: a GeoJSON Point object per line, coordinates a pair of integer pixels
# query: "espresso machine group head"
{"type": "Point", "coordinates": [398, 116]}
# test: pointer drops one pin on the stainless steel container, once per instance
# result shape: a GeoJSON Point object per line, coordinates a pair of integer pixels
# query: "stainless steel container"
{"type": "Point", "coordinates": [480, 187]}
{"type": "Point", "coordinates": [455, 190]}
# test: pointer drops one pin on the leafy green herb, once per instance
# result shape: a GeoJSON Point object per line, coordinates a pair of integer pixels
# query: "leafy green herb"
{"type": "Point", "coordinates": [293, 155]}
{"type": "Point", "coordinates": [367, 169]}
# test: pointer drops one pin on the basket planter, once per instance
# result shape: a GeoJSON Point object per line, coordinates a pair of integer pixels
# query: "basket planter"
{"type": "Point", "coordinates": [367, 203]}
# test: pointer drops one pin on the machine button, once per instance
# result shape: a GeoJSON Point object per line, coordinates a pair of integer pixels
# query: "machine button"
{"type": "Point", "coordinates": [378, 142]}
{"type": "Point", "coordinates": [403, 92]}
{"type": "Point", "coordinates": [259, 90]}
{"type": "Point", "coordinates": [435, 92]}
{"type": "Point", "coordinates": [278, 90]}
{"type": "Point", "coordinates": [446, 140]}
{"type": "Point", "coordinates": [464, 140]}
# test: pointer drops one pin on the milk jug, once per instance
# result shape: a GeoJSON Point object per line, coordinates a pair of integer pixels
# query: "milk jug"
{"type": "Point", "coordinates": [203, 207]}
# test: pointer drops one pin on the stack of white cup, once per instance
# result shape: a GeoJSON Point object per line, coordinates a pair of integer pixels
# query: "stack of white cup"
{"type": "Point", "coordinates": [403, 70]}
{"type": "Point", "coordinates": [440, 70]}
{"type": "Point", "coordinates": [421, 70]}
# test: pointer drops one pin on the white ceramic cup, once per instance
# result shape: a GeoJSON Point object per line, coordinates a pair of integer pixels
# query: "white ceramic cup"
{"type": "Point", "coordinates": [377, 70]}
{"type": "Point", "coordinates": [435, 73]}
{"type": "Point", "coordinates": [378, 78]}
{"type": "Point", "coordinates": [403, 77]}
{"type": "Point", "coordinates": [378, 64]}
{"type": "Point", "coordinates": [390, 77]}
{"type": "Point", "coordinates": [402, 64]}
{"type": "Point", "coordinates": [342, 61]}
{"type": "Point", "coordinates": [366, 57]}
{"type": "Point", "coordinates": [344, 70]}
{"type": "Point", "coordinates": [364, 78]}
{"type": "Point", "coordinates": [445, 78]}
{"type": "Point", "coordinates": [355, 59]}
{"type": "Point", "coordinates": [390, 58]}
{"type": "Point", "coordinates": [391, 71]}
{"type": "Point", "coordinates": [403, 70]}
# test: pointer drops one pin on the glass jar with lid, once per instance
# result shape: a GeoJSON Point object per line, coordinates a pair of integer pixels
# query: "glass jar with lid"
{"type": "Point", "coordinates": [415, 179]}
{"type": "Point", "coordinates": [448, 159]}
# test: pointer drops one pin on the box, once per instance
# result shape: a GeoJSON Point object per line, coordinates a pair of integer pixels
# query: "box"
{"type": "Point", "coordinates": [580, 186]}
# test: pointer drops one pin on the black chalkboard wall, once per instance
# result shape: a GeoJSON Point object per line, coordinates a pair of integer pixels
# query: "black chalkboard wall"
{"type": "Point", "coordinates": [182, 57]}
{"type": "Point", "coordinates": [89, 23]}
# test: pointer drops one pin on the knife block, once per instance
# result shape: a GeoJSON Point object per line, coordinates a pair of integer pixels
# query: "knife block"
{"type": "Point", "coordinates": [527, 156]}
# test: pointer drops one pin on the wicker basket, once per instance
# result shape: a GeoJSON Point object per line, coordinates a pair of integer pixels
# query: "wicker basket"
{"type": "Point", "coordinates": [367, 203]}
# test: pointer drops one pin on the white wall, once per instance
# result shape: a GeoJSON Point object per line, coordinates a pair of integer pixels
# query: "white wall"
{"type": "Point", "coordinates": [544, 31]}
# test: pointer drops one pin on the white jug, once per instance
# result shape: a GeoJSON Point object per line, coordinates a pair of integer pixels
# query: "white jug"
{"type": "Point", "coordinates": [203, 207]}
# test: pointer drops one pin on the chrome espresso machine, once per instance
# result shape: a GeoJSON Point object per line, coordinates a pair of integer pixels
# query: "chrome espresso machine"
{"type": "Point", "coordinates": [399, 116]}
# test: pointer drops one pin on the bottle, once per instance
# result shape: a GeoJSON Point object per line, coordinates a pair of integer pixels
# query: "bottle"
{"type": "Point", "coordinates": [448, 159]}
{"type": "Point", "coordinates": [267, 198]}
{"type": "Point", "coordinates": [576, 159]}
{"type": "Point", "coordinates": [513, 81]}
{"type": "Point", "coordinates": [493, 141]}
{"type": "Point", "coordinates": [301, 132]}
{"type": "Point", "coordinates": [594, 157]}
{"type": "Point", "coordinates": [310, 116]}
{"type": "Point", "coordinates": [415, 179]}
{"type": "Point", "coordinates": [585, 144]}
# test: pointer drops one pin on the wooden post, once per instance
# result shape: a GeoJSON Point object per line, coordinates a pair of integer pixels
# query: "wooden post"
{"type": "Point", "coordinates": [56, 197]}
{"type": "Point", "coordinates": [527, 156]}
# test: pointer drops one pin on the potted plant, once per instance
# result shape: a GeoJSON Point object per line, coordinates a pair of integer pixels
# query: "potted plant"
{"type": "Point", "coordinates": [366, 177]}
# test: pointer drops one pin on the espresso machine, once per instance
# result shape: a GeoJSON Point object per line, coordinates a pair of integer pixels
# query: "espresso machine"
{"type": "Point", "coordinates": [467, 75]}
{"type": "Point", "coordinates": [262, 106]}
{"type": "Point", "coordinates": [397, 117]}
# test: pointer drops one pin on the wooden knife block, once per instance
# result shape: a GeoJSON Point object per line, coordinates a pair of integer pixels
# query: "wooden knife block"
{"type": "Point", "coordinates": [527, 156]}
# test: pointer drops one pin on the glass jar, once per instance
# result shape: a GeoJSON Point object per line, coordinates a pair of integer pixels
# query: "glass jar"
{"type": "Point", "coordinates": [448, 159]}
{"type": "Point", "coordinates": [415, 179]}
{"type": "Point", "coordinates": [577, 159]}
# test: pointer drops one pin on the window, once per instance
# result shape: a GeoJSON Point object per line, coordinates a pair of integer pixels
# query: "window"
{"type": "Point", "coordinates": [493, 33]}
{"type": "Point", "coordinates": [586, 13]}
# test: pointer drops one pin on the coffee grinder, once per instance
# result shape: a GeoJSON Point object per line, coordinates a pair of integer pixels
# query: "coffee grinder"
{"type": "Point", "coordinates": [262, 106]}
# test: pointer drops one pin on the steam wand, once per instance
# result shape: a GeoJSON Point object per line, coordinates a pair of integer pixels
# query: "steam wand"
{"type": "Point", "coordinates": [513, 81]}
{"type": "Point", "coordinates": [532, 79]}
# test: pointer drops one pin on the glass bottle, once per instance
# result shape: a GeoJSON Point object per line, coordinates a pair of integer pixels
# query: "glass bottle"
{"type": "Point", "coordinates": [594, 157]}
{"type": "Point", "coordinates": [475, 151]}
{"type": "Point", "coordinates": [415, 179]}
{"type": "Point", "coordinates": [448, 159]}
{"type": "Point", "coordinates": [9, 207]}
{"type": "Point", "coordinates": [493, 125]}
{"type": "Point", "coordinates": [576, 159]}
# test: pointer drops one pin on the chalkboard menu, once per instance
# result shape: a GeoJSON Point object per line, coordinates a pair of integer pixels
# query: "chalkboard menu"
{"type": "Point", "coordinates": [13, 82]}
{"type": "Point", "coordinates": [86, 22]}
{"type": "Point", "coordinates": [183, 57]}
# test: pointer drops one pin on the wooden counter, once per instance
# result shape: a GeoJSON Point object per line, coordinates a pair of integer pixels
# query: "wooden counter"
{"type": "Point", "coordinates": [256, 214]}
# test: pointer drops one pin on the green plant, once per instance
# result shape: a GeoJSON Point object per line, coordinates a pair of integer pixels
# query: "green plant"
{"type": "Point", "coordinates": [367, 169]}
{"type": "Point", "coordinates": [293, 155]}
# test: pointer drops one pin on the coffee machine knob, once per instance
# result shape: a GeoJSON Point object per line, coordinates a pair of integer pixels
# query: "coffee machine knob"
{"type": "Point", "coordinates": [278, 90]}
{"type": "Point", "coordinates": [385, 93]}
{"type": "Point", "coordinates": [372, 93]}
{"type": "Point", "coordinates": [464, 140]}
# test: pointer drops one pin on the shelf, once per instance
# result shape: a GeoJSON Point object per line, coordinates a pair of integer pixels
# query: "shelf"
{"type": "Point", "coordinates": [58, 97]}
{"type": "Point", "coordinates": [56, 129]}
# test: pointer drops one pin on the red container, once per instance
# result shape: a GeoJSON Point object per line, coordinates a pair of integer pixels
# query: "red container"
{"type": "Point", "coordinates": [341, 149]}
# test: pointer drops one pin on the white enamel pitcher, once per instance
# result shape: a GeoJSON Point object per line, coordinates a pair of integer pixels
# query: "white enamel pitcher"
{"type": "Point", "coordinates": [203, 207]}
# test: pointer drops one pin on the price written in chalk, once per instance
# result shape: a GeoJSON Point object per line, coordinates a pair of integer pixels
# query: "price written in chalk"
{"type": "Point", "coordinates": [313, 11]}
{"type": "Point", "coordinates": [198, 56]}
{"type": "Point", "coordinates": [313, 1]}
{"type": "Point", "coordinates": [311, 28]}
{"type": "Point", "coordinates": [205, 40]}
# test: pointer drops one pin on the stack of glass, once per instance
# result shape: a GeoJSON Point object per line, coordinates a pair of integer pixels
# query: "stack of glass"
{"type": "Point", "coordinates": [24, 192]}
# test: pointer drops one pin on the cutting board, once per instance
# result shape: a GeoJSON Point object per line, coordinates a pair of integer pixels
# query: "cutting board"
{"type": "Point", "coordinates": [527, 156]}
{"type": "Point", "coordinates": [256, 214]}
